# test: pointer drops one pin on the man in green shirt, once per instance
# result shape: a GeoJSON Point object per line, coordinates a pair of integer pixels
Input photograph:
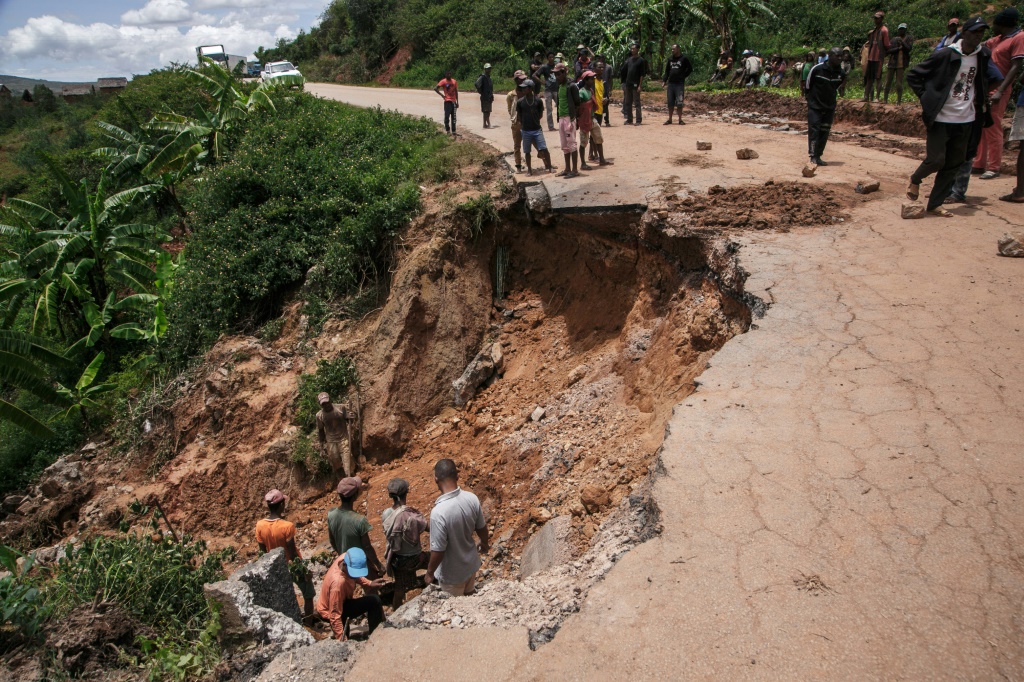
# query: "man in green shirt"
{"type": "Point", "coordinates": [568, 103]}
{"type": "Point", "coordinates": [348, 528]}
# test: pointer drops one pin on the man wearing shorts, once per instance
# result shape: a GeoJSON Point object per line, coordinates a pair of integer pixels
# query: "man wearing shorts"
{"type": "Point", "coordinates": [677, 69]}
{"type": "Point", "coordinates": [589, 120]}
{"type": "Point", "coordinates": [568, 103]}
{"type": "Point", "coordinates": [529, 111]}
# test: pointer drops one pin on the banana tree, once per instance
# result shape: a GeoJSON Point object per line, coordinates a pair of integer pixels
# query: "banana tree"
{"type": "Point", "coordinates": [203, 135]}
{"type": "Point", "coordinates": [78, 259]}
{"type": "Point", "coordinates": [22, 357]}
{"type": "Point", "coordinates": [726, 15]}
{"type": "Point", "coordinates": [84, 394]}
{"type": "Point", "coordinates": [153, 332]}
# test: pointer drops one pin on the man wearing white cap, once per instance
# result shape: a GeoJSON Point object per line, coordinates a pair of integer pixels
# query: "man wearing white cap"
{"type": "Point", "coordinates": [334, 434]}
{"type": "Point", "coordinates": [485, 87]}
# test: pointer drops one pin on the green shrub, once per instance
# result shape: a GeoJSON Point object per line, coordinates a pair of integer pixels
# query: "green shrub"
{"type": "Point", "coordinates": [22, 607]}
{"type": "Point", "coordinates": [271, 330]}
{"type": "Point", "coordinates": [320, 182]}
{"type": "Point", "coordinates": [158, 581]}
{"type": "Point", "coordinates": [308, 456]}
{"type": "Point", "coordinates": [23, 456]}
{"type": "Point", "coordinates": [331, 376]}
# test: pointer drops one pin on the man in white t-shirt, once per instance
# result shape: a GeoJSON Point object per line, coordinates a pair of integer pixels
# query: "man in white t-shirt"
{"type": "Point", "coordinates": [953, 87]}
{"type": "Point", "coordinates": [454, 558]}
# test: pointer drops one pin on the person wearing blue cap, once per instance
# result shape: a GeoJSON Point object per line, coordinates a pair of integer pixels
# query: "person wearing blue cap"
{"type": "Point", "coordinates": [336, 603]}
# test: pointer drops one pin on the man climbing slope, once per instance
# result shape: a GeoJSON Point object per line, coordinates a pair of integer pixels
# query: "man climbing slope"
{"type": "Point", "coordinates": [334, 434]}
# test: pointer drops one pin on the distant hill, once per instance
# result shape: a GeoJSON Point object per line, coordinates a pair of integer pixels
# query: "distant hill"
{"type": "Point", "coordinates": [17, 83]}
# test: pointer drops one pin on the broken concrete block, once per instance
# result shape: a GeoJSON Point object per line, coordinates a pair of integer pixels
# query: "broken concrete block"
{"type": "Point", "coordinates": [497, 357]}
{"type": "Point", "coordinates": [745, 154]}
{"type": "Point", "coordinates": [270, 582]}
{"type": "Point", "coordinates": [703, 146]}
{"type": "Point", "coordinates": [538, 201]}
{"type": "Point", "coordinates": [867, 186]}
{"type": "Point", "coordinates": [242, 622]}
{"type": "Point", "coordinates": [548, 547]}
{"type": "Point", "coordinates": [540, 515]}
{"type": "Point", "coordinates": [912, 210]}
{"type": "Point", "coordinates": [1012, 245]}
{"type": "Point", "coordinates": [809, 170]}
{"type": "Point", "coordinates": [538, 414]}
{"type": "Point", "coordinates": [328, 660]}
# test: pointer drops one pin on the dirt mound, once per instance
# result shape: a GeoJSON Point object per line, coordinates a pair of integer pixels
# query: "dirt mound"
{"type": "Point", "coordinates": [92, 637]}
{"type": "Point", "coordinates": [890, 118]}
{"type": "Point", "coordinates": [397, 63]}
{"type": "Point", "coordinates": [771, 206]}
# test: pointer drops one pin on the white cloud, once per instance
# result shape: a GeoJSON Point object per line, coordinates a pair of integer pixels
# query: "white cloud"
{"type": "Point", "coordinates": [49, 44]}
{"type": "Point", "coordinates": [157, 12]}
{"type": "Point", "coordinates": [231, 4]}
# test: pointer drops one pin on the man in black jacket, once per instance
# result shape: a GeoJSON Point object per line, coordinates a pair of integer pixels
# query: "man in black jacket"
{"type": "Point", "coordinates": [677, 69]}
{"type": "Point", "coordinates": [823, 83]}
{"type": "Point", "coordinates": [632, 76]}
{"type": "Point", "coordinates": [953, 87]}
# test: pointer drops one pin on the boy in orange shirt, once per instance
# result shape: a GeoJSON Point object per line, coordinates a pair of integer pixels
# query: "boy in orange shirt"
{"type": "Point", "coordinates": [273, 532]}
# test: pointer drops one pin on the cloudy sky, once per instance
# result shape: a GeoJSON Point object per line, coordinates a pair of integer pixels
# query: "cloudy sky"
{"type": "Point", "coordinates": [81, 40]}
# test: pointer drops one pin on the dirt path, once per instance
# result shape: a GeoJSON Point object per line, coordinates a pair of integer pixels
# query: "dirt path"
{"type": "Point", "coordinates": [842, 495]}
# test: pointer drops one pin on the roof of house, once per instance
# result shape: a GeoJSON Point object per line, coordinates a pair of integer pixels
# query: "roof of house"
{"type": "Point", "coordinates": [4, 88]}
{"type": "Point", "coordinates": [118, 82]}
{"type": "Point", "coordinates": [76, 90]}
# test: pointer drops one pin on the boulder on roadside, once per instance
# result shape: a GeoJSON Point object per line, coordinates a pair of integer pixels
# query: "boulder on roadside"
{"type": "Point", "coordinates": [548, 547]}
{"type": "Point", "coordinates": [477, 372]}
{"type": "Point", "coordinates": [703, 146]}
{"type": "Point", "coordinates": [270, 582]}
{"type": "Point", "coordinates": [867, 186]}
{"type": "Point", "coordinates": [244, 623]}
{"type": "Point", "coordinates": [594, 498]}
{"type": "Point", "coordinates": [746, 153]}
{"type": "Point", "coordinates": [912, 210]}
{"type": "Point", "coordinates": [809, 170]}
{"type": "Point", "coordinates": [1010, 245]}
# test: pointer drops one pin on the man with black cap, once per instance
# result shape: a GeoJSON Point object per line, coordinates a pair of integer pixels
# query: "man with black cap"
{"type": "Point", "coordinates": [899, 59]}
{"type": "Point", "coordinates": [485, 86]}
{"type": "Point", "coordinates": [347, 528]}
{"type": "Point", "coordinates": [952, 85]}
{"type": "Point", "coordinates": [583, 59]}
{"type": "Point", "coordinates": [823, 83]}
{"type": "Point", "coordinates": [273, 532]}
{"type": "Point", "coordinates": [952, 34]}
{"type": "Point", "coordinates": [1007, 48]}
{"type": "Point", "coordinates": [456, 516]}
{"type": "Point", "coordinates": [878, 47]}
{"type": "Point", "coordinates": [632, 74]}
{"type": "Point", "coordinates": [402, 528]}
{"type": "Point", "coordinates": [334, 434]}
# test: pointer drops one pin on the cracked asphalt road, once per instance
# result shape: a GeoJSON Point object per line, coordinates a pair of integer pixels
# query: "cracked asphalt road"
{"type": "Point", "coordinates": [842, 496]}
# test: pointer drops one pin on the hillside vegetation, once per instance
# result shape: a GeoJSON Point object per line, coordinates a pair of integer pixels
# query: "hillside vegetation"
{"type": "Point", "coordinates": [357, 39]}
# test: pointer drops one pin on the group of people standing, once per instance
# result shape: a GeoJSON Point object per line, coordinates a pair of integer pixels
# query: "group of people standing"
{"type": "Point", "coordinates": [963, 87]}
{"type": "Point", "coordinates": [451, 562]}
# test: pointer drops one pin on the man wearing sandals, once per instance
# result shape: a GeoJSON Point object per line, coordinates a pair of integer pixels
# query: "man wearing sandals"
{"type": "Point", "coordinates": [952, 85]}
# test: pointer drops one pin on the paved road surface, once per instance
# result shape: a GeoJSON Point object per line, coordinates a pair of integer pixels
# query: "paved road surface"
{"type": "Point", "coordinates": [868, 433]}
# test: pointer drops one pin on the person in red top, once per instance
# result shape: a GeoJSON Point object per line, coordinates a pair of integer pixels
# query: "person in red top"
{"type": "Point", "coordinates": [336, 604]}
{"type": "Point", "coordinates": [1007, 48]}
{"type": "Point", "coordinates": [448, 88]}
{"type": "Point", "coordinates": [878, 47]}
{"type": "Point", "coordinates": [273, 532]}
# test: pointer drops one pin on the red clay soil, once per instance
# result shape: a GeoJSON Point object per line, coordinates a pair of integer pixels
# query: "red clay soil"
{"type": "Point", "coordinates": [397, 63]}
{"type": "Point", "coordinates": [771, 206]}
